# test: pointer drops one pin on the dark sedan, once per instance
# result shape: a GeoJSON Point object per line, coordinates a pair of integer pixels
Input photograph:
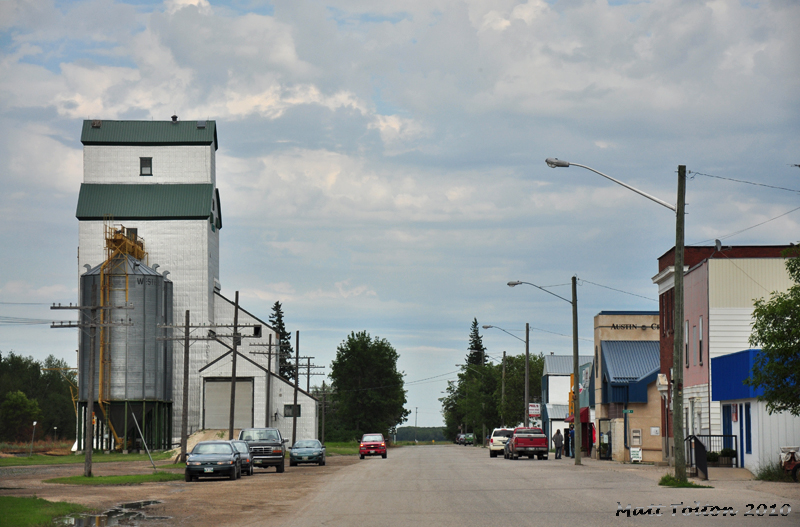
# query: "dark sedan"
{"type": "Point", "coordinates": [307, 451]}
{"type": "Point", "coordinates": [244, 453]}
{"type": "Point", "coordinates": [213, 459]}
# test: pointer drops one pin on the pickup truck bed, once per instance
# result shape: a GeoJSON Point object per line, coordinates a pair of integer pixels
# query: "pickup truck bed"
{"type": "Point", "coordinates": [528, 442]}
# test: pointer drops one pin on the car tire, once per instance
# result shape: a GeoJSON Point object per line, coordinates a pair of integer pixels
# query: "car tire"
{"type": "Point", "coordinates": [292, 463]}
{"type": "Point", "coordinates": [233, 474]}
{"type": "Point", "coordinates": [383, 456]}
{"type": "Point", "coordinates": [281, 468]}
{"type": "Point", "coordinates": [188, 478]}
{"type": "Point", "coordinates": [322, 463]}
{"type": "Point", "coordinates": [361, 456]}
{"type": "Point", "coordinates": [492, 453]}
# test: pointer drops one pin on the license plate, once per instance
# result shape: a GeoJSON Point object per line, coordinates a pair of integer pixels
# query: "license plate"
{"type": "Point", "coordinates": [371, 451]}
{"type": "Point", "coordinates": [210, 469]}
{"type": "Point", "coordinates": [305, 458]}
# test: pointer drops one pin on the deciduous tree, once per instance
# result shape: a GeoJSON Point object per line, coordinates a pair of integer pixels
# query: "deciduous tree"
{"type": "Point", "coordinates": [776, 330]}
{"type": "Point", "coordinates": [368, 393]}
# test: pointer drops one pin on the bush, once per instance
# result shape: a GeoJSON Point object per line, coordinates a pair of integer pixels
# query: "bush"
{"type": "Point", "coordinates": [772, 472]}
{"type": "Point", "coordinates": [727, 452]}
{"type": "Point", "coordinates": [713, 457]}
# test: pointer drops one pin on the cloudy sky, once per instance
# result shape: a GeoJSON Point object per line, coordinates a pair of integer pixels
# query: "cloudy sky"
{"type": "Point", "coordinates": [381, 163]}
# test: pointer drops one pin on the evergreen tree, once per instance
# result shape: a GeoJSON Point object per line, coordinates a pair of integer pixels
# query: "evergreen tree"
{"type": "Point", "coordinates": [285, 351]}
{"type": "Point", "coordinates": [476, 351]}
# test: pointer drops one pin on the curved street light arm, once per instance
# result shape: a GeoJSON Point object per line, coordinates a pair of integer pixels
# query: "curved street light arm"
{"type": "Point", "coordinates": [504, 331]}
{"type": "Point", "coordinates": [555, 163]}
{"type": "Point", "coordinates": [517, 282]}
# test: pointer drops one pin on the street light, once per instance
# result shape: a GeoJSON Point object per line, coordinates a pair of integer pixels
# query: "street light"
{"type": "Point", "coordinates": [527, 363]}
{"type": "Point", "coordinates": [32, 436]}
{"type": "Point", "coordinates": [677, 349]}
{"type": "Point", "coordinates": [575, 365]}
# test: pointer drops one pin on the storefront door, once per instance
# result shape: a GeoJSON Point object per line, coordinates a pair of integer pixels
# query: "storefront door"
{"type": "Point", "coordinates": [604, 439]}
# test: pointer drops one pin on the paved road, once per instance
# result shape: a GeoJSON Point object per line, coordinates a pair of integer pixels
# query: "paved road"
{"type": "Point", "coordinates": [460, 486]}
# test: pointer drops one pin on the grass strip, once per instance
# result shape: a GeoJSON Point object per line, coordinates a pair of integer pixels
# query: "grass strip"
{"type": "Point", "coordinates": [668, 480]}
{"type": "Point", "coordinates": [345, 448]}
{"type": "Point", "coordinates": [97, 457]}
{"type": "Point", "coordinates": [30, 512]}
{"type": "Point", "coordinates": [132, 479]}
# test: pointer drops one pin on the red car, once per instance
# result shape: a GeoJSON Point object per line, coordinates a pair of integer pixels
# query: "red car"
{"type": "Point", "coordinates": [372, 445]}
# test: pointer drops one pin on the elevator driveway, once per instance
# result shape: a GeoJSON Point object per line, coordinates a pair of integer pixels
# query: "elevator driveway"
{"type": "Point", "coordinates": [426, 485]}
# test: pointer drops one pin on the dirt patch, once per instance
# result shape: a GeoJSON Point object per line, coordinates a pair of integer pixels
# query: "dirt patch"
{"type": "Point", "coordinates": [262, 499]}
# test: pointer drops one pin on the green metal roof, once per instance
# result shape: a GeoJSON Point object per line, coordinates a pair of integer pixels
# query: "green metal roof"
{"type": "Point", "coordinates": [145, 201]}
{"type": "Point", "coordinates": [98, 132]}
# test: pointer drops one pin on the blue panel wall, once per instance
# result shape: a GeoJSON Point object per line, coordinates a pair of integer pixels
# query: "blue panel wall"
{"type": "Point", "coordinates": [728, 374]}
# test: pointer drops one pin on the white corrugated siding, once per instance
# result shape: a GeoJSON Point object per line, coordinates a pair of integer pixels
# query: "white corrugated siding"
{"type": "Point", "coordinates": [171, 164]}
{"type": "Point", "coordinates": [736, 282]}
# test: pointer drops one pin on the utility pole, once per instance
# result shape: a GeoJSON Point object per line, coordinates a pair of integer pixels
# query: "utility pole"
{"type": "Point", "coordinates": [503, 392]}
{"type": "Point", "coordinates": [296, 383]}
{"type": "Point", "coordinates": [91, 325]}
{"type": "Point", "coordinates": [416, 412]}
{"type": "Point", "coordinates": [88, 436]}
{"type": "Point", "coordinates": [322, 440]}
{"type": "Point", "coordinates": [677, 355]}
{"type": "Point", "coordinates": [575, 370]}
{"type": "Point", "coordinates": [185, 414]}
{"type": "Point", "coordinates": [483, 407]}
{"type": "Point", "coordinates": [527, 368]}
{"type": "Point", "coordinates": [269, 381]}
{"type": "Point", "coordinates": [236, 339]}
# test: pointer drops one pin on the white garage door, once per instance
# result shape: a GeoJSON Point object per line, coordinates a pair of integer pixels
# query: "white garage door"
{"type": "Point", "coordinates": [217, 404]}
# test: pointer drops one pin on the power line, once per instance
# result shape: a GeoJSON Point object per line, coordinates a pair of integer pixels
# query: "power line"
{"type": "Point", "coordinates": [619, 290]}
{"type": "Point", "coordinates": [747, 229]}
{"type": "Point", "coordinates": [743, 181]}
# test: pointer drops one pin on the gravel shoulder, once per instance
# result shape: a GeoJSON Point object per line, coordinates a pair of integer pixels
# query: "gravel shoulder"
{"type": "Point", "coordinates": [265, 498]}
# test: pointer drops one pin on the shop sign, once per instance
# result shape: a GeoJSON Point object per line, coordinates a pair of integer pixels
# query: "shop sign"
{"type": "Point", "coordinates": [534, 410]}
{"type": "Point", "coordinates": [636, 455]}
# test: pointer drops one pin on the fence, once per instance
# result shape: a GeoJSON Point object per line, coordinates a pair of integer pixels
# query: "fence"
{"type": "Point", "coordinates": [715, 444]}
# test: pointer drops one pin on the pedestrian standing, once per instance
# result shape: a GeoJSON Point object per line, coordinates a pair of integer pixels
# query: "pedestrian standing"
{"type": "Point", "coordinates": [558, 440]}
{"type": "Point", "coordinates": [572, 440]}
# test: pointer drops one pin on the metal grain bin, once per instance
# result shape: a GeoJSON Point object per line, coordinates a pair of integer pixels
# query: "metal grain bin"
{"type": "Point", "coordinates": [135, 366]}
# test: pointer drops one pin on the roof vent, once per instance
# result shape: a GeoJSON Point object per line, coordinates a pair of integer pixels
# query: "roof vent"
{"type": "Point", "coordinates": [201, 124]}
{"type": "Point", "coordinates": [96, 123]}
{"type": "Point", "coordinates": [174, 118]}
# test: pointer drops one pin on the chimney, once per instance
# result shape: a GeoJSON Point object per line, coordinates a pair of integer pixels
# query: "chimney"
{"type": "Point", "coordinates": [174, 119]}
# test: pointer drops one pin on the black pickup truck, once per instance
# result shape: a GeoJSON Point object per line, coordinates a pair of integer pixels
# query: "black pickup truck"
{"type": "Point", "coordinates": [267, 447]}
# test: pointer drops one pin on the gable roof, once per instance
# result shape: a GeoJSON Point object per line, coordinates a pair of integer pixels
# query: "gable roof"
{"type": "Point", "coordinates": [149, 133]}
{"type": "Point", "coordinates": [145, 201]}
{"type": "Point", "coordinates": [562, 364]}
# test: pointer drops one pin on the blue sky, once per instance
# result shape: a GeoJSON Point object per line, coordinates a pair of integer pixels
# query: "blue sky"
{"type": "Point", "coordinates": [381, 164]}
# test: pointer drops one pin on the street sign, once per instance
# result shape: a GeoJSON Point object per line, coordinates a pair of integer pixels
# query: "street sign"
{"type": "Point", "coordinates": [534, 410]}
{"type": "Point", "coordinates": [627, 411]}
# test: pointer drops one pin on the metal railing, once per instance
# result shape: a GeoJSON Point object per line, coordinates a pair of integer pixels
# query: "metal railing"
{"type": "Point", "coordinates": [713, 443]}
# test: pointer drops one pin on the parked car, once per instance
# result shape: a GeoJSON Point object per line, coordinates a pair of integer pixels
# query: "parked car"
{"type": "Point", "coordinates": [507, 449]}
{"type": "Point", "coordinates": [307, 451]}
{"type": "Point", "coordinates": [460, 439]}
{"type": "Point", "coordinates": [498, 440]}
{"type": "Point", "coordinates": [372, 445]}
{"type": "Point", "coordinates": [528, 442]}
{"type": "Point", "coordinates": [213, 459]}
{"type": "Point", "coordinates": [244, 453]}
{"type": "Point", "coordinates": [469, 439]}
{"type": "Point", "coordinates": [267, 447]}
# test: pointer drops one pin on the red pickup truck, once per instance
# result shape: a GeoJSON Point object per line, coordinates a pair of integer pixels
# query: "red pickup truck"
{"type": "Point", "coordinates": [528, 442]}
